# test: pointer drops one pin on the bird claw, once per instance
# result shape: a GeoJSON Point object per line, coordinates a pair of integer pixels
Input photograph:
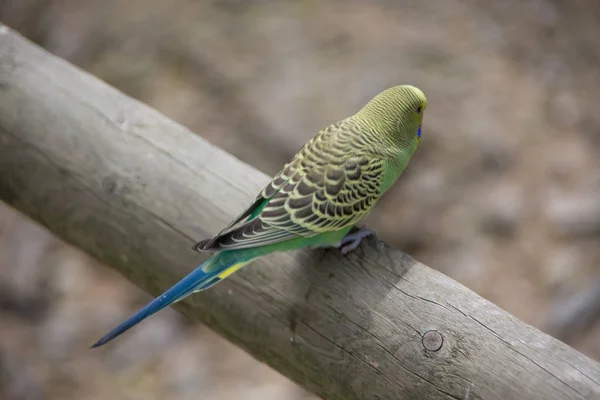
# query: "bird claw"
{"type": "Point", "coordinates": [352, 240]}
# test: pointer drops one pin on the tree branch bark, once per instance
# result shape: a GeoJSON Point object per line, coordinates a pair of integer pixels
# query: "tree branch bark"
{"type": "Point", "coordinates": [136, 190]}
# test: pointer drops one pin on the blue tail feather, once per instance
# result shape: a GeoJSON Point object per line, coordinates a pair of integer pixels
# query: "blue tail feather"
{"type": "Point", "coordinates": [194, 281]}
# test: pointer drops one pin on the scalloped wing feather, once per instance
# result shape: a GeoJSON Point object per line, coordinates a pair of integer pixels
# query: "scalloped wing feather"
{"type": "Point", "coordinates": [329, 185]}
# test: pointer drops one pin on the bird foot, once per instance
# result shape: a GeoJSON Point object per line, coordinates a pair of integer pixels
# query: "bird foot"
{"type": "Point", "coordinates": [352, 240]}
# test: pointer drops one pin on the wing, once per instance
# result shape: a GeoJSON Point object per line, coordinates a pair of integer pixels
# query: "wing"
{"type": "Point", "coordinates": [326, 187]}
{"type": "Point", "coordinates": [283, 177]}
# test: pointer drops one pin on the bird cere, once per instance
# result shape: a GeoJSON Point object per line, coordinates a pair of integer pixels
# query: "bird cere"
{"type": "Point", "coordinates": [316, 199]}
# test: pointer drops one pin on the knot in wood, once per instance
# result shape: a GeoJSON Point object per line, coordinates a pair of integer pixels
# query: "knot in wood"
{"type": "Point", "coordinates": [432, 340]}
{"type": "Point", "coordinates": [109, 185]}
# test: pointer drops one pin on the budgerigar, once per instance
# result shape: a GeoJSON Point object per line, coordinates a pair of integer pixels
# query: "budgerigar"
{"type": "Point", "coordinates": [316, 199]}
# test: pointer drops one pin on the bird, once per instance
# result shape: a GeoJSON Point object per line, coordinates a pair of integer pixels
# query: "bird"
{"type": "Point", "coordinates": [316, 199]}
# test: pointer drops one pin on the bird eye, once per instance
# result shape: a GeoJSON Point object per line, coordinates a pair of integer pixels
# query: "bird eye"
{"type": "Point", "coordinates": [419, 109]}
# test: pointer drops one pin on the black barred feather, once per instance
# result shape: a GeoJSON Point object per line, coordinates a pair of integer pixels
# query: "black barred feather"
{"type": "Point", "coordinates": [321, 189]}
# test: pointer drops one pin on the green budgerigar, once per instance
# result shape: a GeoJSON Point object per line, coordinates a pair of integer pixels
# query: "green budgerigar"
{"type": "Point", "coordinates": [316, 199]}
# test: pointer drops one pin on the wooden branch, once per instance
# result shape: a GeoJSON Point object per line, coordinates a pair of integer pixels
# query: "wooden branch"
{"type": "Point", "coordinates": [135, 190]}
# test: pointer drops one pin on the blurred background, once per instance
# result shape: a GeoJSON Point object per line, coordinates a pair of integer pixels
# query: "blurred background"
{"type": "Point", "coordinates": [503, 194]}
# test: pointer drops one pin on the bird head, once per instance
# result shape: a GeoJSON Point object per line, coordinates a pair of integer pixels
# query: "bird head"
{"type": "Point", "coordinates": [396, 113]}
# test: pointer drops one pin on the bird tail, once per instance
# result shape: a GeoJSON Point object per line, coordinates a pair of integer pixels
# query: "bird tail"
{"type": "Point", "coordinates": [205, 276]}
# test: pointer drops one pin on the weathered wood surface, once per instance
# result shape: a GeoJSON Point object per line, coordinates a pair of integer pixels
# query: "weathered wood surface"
{"type": "Point", "coordinates": [135, 190]}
